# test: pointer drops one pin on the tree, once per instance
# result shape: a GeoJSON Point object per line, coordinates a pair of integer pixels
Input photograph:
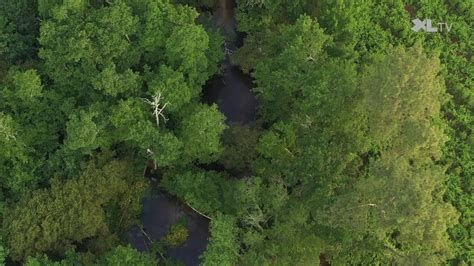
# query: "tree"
{"type": "Point", "coordinates": [71, 212]}
{"type": "Point", "coordinates": [172, 86]}
{"type": "Point", "coordinates": [282, 64]}
{"type": "Point", "coordinates": [399, 204]}
{"type": "Point", "coordinates": [18, 30]}
{"type": "Point", "coordinates": [14, 155]}
{"type": "Point", "coordinates": [185, 51]}
{"type": "Point", "coordinates": [119, 255]}
{"type": "Point", "coordinates": [72, 258]}
{"type": "Point", "coordinates": [3, 254]}
{"type": "Point", "coordinates": [239, 142]}
{"type": "Point", "coordinates": [34, 124]}
{"type": "Point", "coordinates": [200, 133]}
{"type": "Point", "coordinates": [324, 157]}
{"type": "Point", "coordinates": [126, 255]}
{"type": "Point", "coordinates": [290, 240]}
{"type": "Point", "coordinates": [223, 248]}
{"type": "Point", "coordinates": [92, 47]}
{"type": "Point", "coordinates": [82, 132]}
{"type": "Point", "coordinates": [118, 83]}
{"type": "Point", "coordinates": [360, 155]}
{"type": "Point", "coordinates": [359, 30]}
{"type": "Point", "coordinates": [407, 97]}
{"type": "Point", "coordinates": [28, 84]}
{"type": "Point", "coordinates": [200, 3]}
{"type": "Point", "coordinates": [207, 192]}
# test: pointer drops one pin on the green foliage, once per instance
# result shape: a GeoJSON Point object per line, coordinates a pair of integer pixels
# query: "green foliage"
{"type": "Point", "coordinates": [223, 248]}
{"type": "Point", "coordinates": [315, 143]}
{"type": "Point", "coordinates": [118, 82]}
{"type": "Point", "coordinates": [362, 156]}
{"type": "Point", "coordinates": [389, 121]}
{"type": "Point", "coordinates": [185, 50]}
{"type": "Point", "coordinates": [200, 133]}
{"type": "Point", "coordinates": [27, 84]}
{"type": "Point", "coordinates": [3, 254]}
{"type": "Point", "coordinates": [456, 56]}
{"type": "Point", "coordinates": [199, 3]}
{"type": "Point", "coordinates": [239, 144]}
{"type": "Point", "coordinates": [114, 83]}
{"type": "Point", "coordinates": [91, 47]}
{"type": "Point", "coordinates": [283, 72]}
{"type": "Point", "coordinates": [14, 155]}
{"type": "Point", "coordinates": [173, 86]}
{"type": "Point", "coordinates": [289, 46]}
{"type": "Point", "coordinates": [208, 192]}
{"type": "Point", "coordinates": [276, 229]}
{"type": "Point", "coordinates": [82, 131]}
{"type": "Point", "coordinates": [70, 212]}
{"type": "Point", "coordinates": [97, 89]}
{"type": "Point", "coordinates": [121, 255]}
{"type": "Point", "coordinates": [72, 258]}
{"type": "Point", "coordinates": [404, 97]}
{"type": "Point", "coordinates": [18, 30]}
{"type": "Point", "coordinates": [8, 136]}
{"type": "Point", "coordinates": [400, 206]}
{"type": "Point", "coordinates": [337, 130]}
{"type": "Point", "coordinates": [177, 235]}
{"type": "Point", "coordinates": [31, 128]}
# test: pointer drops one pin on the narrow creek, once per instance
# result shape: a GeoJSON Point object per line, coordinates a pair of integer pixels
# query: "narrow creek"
{"type": "Point", "coordinates": [231, 90]}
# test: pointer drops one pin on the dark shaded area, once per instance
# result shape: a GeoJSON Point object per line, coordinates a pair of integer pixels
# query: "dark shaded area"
{"type": "Point", "coordinates": [323, 261]}
{"type": "Point", "coordinates": [232, 90]}
{"type": "Point", "coordinates": [19, 29]}
{"type": "Point", "coordinates": [198, 227]}
{"type": "Point", "coordinates": [232, 93]}
{"type": "Point", "coordinates": [160, 211]}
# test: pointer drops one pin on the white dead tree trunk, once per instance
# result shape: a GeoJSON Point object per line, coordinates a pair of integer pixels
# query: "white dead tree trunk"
{"type": "Point", "coordinates": [152, 156]}
{"type": "Point", "coordinates": [198, 212]}
{"type": "Point", "coordinates": [158, 109]}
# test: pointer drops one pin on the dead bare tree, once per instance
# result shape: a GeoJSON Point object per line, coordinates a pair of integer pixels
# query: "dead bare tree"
{"type": "Point", "coordinates": [158, 109]}
{"type": "Point", "coordinates": [152, 155]}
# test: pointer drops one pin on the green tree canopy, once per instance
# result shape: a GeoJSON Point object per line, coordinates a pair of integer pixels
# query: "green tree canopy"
{"type": "Point", "coordinates": [75, 211]}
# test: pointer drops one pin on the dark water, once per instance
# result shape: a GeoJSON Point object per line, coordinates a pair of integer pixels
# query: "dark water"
{"type": "Point", "coordinates": [160, 211]}
{"type": "Point", "coordinates": [232, 92]}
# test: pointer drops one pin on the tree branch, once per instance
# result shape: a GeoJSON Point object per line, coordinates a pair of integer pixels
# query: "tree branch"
{"type": "Point", "coordinates": [200, 213]}
{"type": "Point", "coordinates": [158, 109]}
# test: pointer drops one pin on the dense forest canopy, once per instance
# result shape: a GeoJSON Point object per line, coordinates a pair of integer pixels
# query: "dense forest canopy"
{"type": "Point", "coordinates": [361, 153]}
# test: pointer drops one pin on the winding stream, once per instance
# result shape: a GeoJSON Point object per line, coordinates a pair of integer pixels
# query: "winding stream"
{"type": "Point", "coordinates": [232, 92]}
{"type": "Point", "coordinates": [159, 212]}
